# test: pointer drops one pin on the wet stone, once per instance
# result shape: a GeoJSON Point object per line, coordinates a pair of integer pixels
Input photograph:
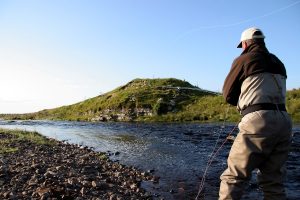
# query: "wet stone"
{"type": "Point", "coordinates": [43, 191]}
{"type": "Point", "coordinates": [65, 171]}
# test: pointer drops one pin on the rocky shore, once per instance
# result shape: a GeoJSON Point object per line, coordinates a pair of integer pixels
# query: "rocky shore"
{"type": "Point", "coordinates": [59, 170]}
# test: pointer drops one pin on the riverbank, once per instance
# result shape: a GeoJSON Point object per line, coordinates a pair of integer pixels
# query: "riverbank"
{"type": "Point", "coordinates": [35, 167]}
{"type": "Point", "coordinates": [177, 152]}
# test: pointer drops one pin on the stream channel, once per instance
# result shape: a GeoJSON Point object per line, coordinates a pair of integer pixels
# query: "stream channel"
{"type": "Point", "coordinates": [176, 152]}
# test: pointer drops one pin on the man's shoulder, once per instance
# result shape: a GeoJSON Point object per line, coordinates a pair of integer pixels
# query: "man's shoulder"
{"type": "Point", "coordinates": [274, 57]}
{"type": "Point", "coordinates": [243, 57]}
{"type": "Point", "coordinates": [246, 57]}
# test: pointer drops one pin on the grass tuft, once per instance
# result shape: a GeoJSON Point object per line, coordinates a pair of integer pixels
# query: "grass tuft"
{"type": "Point", "coordinates": [8, 137]}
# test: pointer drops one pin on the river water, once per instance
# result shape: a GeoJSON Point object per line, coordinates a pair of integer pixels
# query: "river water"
{"type": "Point", "coordinates": [177, 152]}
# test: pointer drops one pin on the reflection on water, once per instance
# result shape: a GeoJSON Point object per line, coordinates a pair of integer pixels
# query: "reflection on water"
{"type": "Point", "coordinates": [177, 152]}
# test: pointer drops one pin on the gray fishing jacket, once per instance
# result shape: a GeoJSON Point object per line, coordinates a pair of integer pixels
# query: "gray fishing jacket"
{"type": "Point", "coordinates": [255, 77]}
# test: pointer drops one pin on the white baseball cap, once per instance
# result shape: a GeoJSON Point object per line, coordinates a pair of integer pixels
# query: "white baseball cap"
{"type": "Point", "coordinates": [251, 33]}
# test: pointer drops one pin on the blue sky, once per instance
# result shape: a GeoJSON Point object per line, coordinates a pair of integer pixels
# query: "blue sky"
{"type": "Point", "coordinates": [59, 52]}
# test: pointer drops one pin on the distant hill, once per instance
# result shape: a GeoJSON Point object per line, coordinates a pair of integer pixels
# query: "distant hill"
{"type": "Point", "coordinates": [138, 100]}
{"type": "Point", "coordinates": [153, 100]}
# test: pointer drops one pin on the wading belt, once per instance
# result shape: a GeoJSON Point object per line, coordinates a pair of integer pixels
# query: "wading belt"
{"type": "Point", "coordinates": [263, 106]}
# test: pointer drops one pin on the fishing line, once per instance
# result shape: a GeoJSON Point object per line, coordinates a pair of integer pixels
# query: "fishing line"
{"type": "Point", "coordinates": [238, 22]}
{"type": "Point", "coordinates": [213, 155]}
{"type": "Point", "coordinates": [210, 161]}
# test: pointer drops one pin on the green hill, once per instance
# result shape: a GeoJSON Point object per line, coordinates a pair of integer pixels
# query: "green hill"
{"type": "Point", "coordinates": [153, 100]}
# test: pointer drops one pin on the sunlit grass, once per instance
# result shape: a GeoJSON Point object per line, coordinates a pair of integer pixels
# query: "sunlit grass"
{"type": "Point", "coordinates": [6, 143]}
{"type": "Point", "coordinates": [4, 148]}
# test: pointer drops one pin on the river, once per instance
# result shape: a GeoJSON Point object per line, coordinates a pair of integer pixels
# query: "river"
{"type": "Point", "coordinates": [176, 152]}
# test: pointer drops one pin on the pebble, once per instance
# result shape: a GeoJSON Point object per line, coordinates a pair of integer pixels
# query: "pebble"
{"type": "Point", "coordinates": [66, 171]}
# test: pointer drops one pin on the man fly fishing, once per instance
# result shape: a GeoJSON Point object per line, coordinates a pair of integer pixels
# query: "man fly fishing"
{"type": "Point", "coordinates": [256, 84]}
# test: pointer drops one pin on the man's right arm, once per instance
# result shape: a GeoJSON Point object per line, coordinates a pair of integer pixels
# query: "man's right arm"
{"type": "Point", "coordinates": [232, 84]}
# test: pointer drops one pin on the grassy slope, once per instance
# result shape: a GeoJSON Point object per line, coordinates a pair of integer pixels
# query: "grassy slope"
{"type": "Point", "coordinates": [139, 93]}
{"type": "Point", "coordinates": [191, 105]}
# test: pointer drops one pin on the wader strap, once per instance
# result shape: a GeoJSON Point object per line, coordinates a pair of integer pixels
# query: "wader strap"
{"type": "Point", "coordinates": [263, 106]}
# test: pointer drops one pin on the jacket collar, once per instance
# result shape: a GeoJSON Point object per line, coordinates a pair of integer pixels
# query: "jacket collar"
{"type": "Point", "coordinates": [256, 47]}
